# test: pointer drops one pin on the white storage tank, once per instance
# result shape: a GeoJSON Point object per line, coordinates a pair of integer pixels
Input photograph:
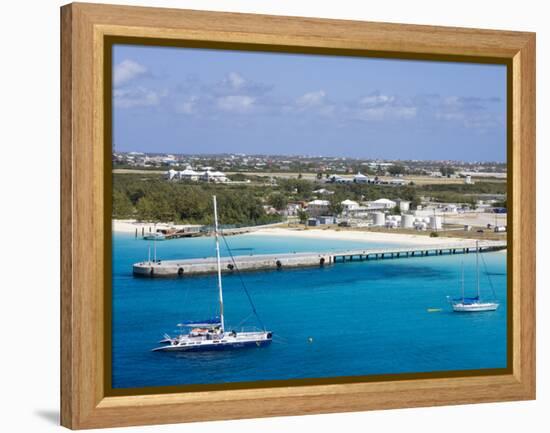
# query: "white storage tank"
{"type": "Point", "coordinates": [407, 221]}
{"type": "Point", "coordinates": [391, 224]}
{"type": "Point", "coordinates": [435, 222]}
{"type": "Point", "coordinates": [404, 205]}
{"type": "Point", "coordinates": [379, 218]}
{"type": "Point", "coordinates": [421, 226]}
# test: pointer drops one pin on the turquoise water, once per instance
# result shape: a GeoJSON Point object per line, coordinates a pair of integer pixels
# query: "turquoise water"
{"type": "Point", "coordinates": [357, 318]}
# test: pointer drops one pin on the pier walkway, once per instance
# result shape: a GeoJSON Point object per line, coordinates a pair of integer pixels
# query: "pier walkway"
{"type": "Point", "coordinates": [207, 265]}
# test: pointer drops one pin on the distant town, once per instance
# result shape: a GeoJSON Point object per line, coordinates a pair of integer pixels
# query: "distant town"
{"type": "Point", "coordinates": [313, 191]}
{"type": "Point", "coordinates": [308, 164]}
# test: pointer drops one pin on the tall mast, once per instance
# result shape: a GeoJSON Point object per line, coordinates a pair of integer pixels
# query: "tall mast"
{"type": "Point", "coordinates": [477, 267]}
{"type": "Point", "coordinates": [219, 262]}
{"type": "Point", "coordinates": [462, 269]}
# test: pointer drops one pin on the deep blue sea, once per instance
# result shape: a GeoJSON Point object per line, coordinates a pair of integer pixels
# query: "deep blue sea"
{"type": "Point", "coordinates": [353, 318]}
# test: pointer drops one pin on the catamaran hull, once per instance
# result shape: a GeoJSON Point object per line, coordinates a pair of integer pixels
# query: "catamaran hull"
{"type": "Point", "coordinates": [213, 347]}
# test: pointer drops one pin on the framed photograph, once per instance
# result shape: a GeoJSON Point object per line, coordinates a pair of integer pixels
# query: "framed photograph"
{"type": "Point", "coordinates": [267, 216]}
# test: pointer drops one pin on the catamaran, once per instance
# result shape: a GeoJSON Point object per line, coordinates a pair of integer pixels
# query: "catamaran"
{"type": "Point", "coordinates": [472, 304]}
{"type": "Point", "coordinates": [211, 334]}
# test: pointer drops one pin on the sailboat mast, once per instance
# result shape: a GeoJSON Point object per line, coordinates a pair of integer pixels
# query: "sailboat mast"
{"type": "Point", "coordinates": [219, 262]}
{"type": "Point", "coordinates": [462, 280]}
{"type": "Point", "coordinates": [477, 267]}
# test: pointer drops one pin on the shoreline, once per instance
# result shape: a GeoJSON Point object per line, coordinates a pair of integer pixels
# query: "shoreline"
{"type": "Point", "coordinates": [130, 226]}
{"type": "Point", "coordinates": [357, 235]}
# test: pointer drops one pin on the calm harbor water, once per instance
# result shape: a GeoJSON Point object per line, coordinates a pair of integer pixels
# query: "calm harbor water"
{"type": "Point", "coordinates": [355, 318]}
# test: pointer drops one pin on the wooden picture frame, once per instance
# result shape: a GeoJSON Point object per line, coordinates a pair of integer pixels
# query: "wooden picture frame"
{"type": "Point", "coordinates": [85, 217]}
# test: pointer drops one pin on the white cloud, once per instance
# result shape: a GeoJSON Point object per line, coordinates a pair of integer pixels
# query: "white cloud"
{"type": "Point", "coordinates": [188, 106]}
{"type": "Point", "coordinates": [311, 99]}
{"type": "Point", "coordinates": [235, 94]}
{"type": "Point", "coordinates": [471, 112]}
{"type": "Point", "coordinates": [386, 112]}
{"type": "Point", "coordinates": [235, 84]}
{"type": "Point", "coordinates": [126, 71]}
{"type": "Point", "coordinates": [236, 103]}
{"type": "Point", "coordinates": [315, 103]}
{"type": "Point", "coordinates": [376, 99]}
{"type": "Point", "coordinates": [378, 107]}
{"type": "Point", "coordinates": [235, 80]}
{"type": "Point", "coordinates": [136, 97]}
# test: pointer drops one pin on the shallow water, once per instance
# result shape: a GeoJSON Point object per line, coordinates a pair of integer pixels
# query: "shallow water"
{"type": "Point", "coordinates": [353, 318]}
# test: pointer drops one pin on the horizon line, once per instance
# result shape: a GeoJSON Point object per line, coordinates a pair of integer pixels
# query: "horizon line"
{"type": "Point", "coordinates": [357, 158]}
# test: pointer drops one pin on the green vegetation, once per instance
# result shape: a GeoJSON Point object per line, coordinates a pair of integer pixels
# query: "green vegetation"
{"type": "Point", "coordinates": [335, 205]}
{"type": "Point", "coordinates": [462, 193]}
{"type": "Point", "coordinates": [502, 203]}
{"type": "Point", "coordinates": [446, 170]}
{"type": "Point", "coordinates": [151, 198]}
{"type": "Point", "coordinates": [298, 189]}
{"type": "Point", "coordinates": [463, 188]}
{"type": "Point", "coordinates": [278, 200]}
{"type": "Point", "coordinates": [396, 169]}
{"type": "Point", "coordinates": [395, 210]}
{"type": "Point", "coordinates": [302, 216]}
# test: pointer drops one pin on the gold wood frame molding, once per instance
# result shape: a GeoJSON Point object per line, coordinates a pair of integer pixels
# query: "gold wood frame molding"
{"type": "Point", "coordinates": [85, 398]}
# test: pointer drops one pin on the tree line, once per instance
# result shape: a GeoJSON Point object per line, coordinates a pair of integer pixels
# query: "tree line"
{"type": "Point", "coordinates": [148, 198]}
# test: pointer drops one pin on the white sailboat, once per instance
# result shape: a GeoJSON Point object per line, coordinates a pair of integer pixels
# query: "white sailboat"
{"type": "Point", "coordinates": [211, 334]}
{"type": "Point", "coordinates": [472, 304]}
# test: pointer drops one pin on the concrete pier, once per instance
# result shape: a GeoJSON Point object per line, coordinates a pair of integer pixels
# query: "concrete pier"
{"type": "Point", "coordinates": [207, 265]}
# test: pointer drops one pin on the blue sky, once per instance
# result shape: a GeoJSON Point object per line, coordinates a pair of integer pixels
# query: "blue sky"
{"type": "Point", "coordinates": [185, 100]}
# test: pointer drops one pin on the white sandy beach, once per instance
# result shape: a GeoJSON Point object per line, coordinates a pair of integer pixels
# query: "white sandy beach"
{"type": "Point", "coordinates": [356, 235]}
{"type": "Point", "coordinates": [130, 226]}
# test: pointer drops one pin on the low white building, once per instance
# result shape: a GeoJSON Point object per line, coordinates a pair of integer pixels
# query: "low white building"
{"type": "Point", "coordinates": [171, 174]}
{"type": "Point", "coordinates": [349, 205]}
{"type": "Point", "coordinates": [399, 182]}
{"type": "Point", "coordinates": [360, 178]}
{"type": "Point", "coordinates": [189, 174]}
{"type": "Point", "coordinates": [292, 209]}
{"type": "Point", "coordinates": [323, 191]}
{"type": "Point", "coordinates": [382, 203]}
{"type": "Point", "coordinates": [450, 208]}
{"type": "Point", "coordinates": [338, 179]}
{"type": "Point", "coordinates": [214, 176]}
{"type": "Point", "coordinates": [318, 207]}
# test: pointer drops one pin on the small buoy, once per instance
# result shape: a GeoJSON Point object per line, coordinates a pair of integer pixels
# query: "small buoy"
{"type": "Point", "coordinates": [310, 339]}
